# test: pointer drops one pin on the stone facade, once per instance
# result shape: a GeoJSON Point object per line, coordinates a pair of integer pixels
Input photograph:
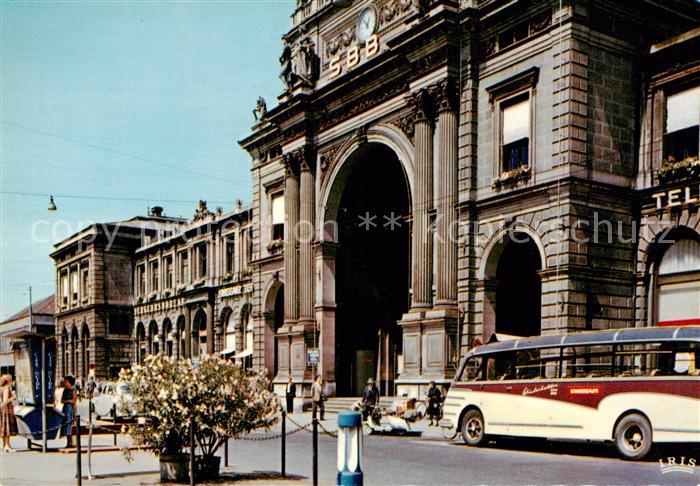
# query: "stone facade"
{"type": "Point", "coordinates": [192, 289]}
{"type": "Point", "coordinates": [428, 91]}
{"type": "Point", "coordinates": [93, 308]}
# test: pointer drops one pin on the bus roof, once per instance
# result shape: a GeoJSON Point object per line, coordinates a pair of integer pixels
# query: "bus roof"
{"type": "Point", "coordinates": [593, 338]}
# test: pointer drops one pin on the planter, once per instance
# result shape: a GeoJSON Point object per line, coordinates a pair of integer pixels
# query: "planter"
{"type": "Point", "coordinates": [207, 467]}
{"type": "Point", "coordinates": [174, 468]}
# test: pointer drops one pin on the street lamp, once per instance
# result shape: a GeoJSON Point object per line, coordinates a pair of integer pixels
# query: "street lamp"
{"type": "Point", "coordinates": [52, 205]}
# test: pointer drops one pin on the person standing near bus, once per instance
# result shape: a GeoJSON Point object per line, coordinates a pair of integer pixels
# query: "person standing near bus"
{"type": "Point", "coordinates": [69, 400]}
{"type": "Point", "coordinates": [6, 397]}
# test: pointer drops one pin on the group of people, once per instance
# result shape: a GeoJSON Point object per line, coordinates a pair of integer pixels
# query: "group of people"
{"type": "Point", "coordinates": [370, 399]}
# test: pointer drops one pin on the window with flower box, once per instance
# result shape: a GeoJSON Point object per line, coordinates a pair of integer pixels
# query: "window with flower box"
{"type": "Point", "coordinates": [682, 125]}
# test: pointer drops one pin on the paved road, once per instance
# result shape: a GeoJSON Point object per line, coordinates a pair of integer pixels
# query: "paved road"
{"type": "Point", "coordinates": [387, 461]}
{"type": "Point", "coordinates": [406, 460]}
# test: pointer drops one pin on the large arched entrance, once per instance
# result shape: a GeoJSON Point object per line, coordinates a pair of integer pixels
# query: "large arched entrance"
{"type": "Point", "coordinates": [372, 268]}
{"type": "Point", "coordinates": [514, 286]}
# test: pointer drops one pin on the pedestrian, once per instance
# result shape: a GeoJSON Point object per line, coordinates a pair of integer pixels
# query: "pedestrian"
{"type": "Point", "coordinates": [317, 397]}
{"type": "Point", "coordinates": [434, 400]}
{"type": "Point", "coordinates": [370, 399]}
{"type": "Point", "coordinates": [69, 400]}
{"type": "Point", "coordinates": [290, 394]}
{"type": "Point", "coordinates": [6, 408]}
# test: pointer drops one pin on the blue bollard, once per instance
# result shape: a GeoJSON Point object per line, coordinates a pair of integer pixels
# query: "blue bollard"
{"type": "Point", "coordinates": [349, 449]}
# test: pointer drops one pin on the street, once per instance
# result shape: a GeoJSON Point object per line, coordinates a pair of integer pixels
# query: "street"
{"type": "Point", "coordinates": [388, 460]}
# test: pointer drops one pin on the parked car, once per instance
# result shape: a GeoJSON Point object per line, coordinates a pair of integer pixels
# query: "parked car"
{"type": "Point", "coordinates": [105, 396]}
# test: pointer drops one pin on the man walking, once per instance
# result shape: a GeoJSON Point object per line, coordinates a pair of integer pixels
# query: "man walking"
{"type": "Point", "coordinates": [317, 397]}
{"type": "Point", "coordinates": [370, 399]}
{"type": "Point", "coordinates": [290, 394]}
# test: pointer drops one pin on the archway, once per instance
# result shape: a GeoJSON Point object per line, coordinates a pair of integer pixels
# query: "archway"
{"type": "Point", "coordinates": [85, 352]}
{"type": "Point", "coordinates": [167, 337]}
{"type": "Point", "coordinates": [179, 336]}
{"type": "Point", "coordinates": [75, 349]}
{"type": "Point", "coordinates": [153, 346]}
{"type": "Point", "coordinates": [141, 344]}
{"type": "Point", "coordinates": [199, 329]}
{"type": "Point", "coordinates": [66, 353]}
{"type": "Point", "coordinates": [513, 302]}
{"type": "Point", "coordinates": [370, 209]}
{"type": "Point", "coordinates": [248, 337]}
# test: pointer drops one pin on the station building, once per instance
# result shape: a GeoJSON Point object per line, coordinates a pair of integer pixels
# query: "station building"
{"type": "Point", "coordinates": [437, 171]}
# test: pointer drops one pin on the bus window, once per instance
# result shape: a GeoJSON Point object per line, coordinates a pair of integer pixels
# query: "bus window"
{"type": "Point", "coordinates": [528, 365]}
{"type": "Point", "coordinates": [653, 359]}
{"type": "Point", "coordinates": [472, 370]}
{"type": "Point", "coordinates": [501, 366]}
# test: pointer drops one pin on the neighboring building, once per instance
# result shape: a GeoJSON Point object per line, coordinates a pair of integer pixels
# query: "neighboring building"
{"type": "Point", "coordinates": [37, 319]}
{"type": "Point", "coordinates": [192, 289]}
{"type": "Point", "coordinates": [433, 149]}
{"type": "Point", "coordinates": [94, 276]}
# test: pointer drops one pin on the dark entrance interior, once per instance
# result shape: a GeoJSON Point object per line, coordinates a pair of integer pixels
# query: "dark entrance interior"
{"type": "Point", "coordinates": [277, 322]}
{"type": "Point", "coordinates": [519, 291]}
{"type": "Point", "coordinates": [372, 270]}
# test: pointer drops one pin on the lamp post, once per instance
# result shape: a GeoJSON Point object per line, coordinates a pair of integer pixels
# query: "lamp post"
{"type": "Point", "coordinates": [350, 449]}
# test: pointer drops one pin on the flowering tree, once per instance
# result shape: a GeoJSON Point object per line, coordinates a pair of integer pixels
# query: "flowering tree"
{"type": "Point", "coordinates": [225, 401]}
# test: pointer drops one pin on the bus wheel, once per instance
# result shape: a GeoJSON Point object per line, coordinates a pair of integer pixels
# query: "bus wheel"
{"type": "Point", "coordinates": [473, 428]}
{"type": "Point", "coordinates": [633, 437]}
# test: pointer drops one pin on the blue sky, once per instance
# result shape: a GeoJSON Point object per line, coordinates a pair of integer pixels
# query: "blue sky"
{"type": "Point", "coordinates": [141, 101]}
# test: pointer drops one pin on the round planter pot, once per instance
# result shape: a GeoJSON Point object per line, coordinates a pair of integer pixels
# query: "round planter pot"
{"type": "Point", "coordinates": [207, 467]}
{"type": "Point", "coordinates": [174, 468]}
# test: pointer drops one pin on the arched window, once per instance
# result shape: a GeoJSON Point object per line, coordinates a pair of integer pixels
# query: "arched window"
{"type": "Point", "coordinates": [248, 337]}
{"type": "Point", "coordinates": [199, 329]}
{"type": "Point", "coordinates": [678, 284]}
{"type": "Point", "coordinates": [180, 337]}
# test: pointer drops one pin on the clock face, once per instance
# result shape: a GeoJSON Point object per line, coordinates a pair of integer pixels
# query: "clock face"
{"type": "Point", "coordinates": [366, 25]}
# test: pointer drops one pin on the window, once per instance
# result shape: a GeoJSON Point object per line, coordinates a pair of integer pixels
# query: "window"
{"type": "Point", "coordinates": [74, 285]}
{"type": "Point", "coordinates": [155, 277]}
{"type": "Point", "coordinates": [202, 260]}
{"type": "Point", "coordinates": [118, 324]}
{"type": "Point", "coordinates": [230, 253]}
{"type": "Point", "coordinates": [678, 291]}
{"type": "Point", "coordinates": [682, 130]}
{"type": "Point", "coordinates": [64, 287]}
{"type": "Point", "coordinates": [85, 282]}
{"type": "Point", "coordinates": [184, 266]}
{"type": "Point", "coordinates": [168, 271]}
{"type": "Point", "coordinates": [277, 217]}
{"type": "Point", "coordinates": [515, 133]}
{"type": "Point", "coordinates": [141, 279]}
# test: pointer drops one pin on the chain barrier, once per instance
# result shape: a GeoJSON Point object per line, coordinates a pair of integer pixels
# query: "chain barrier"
{"type": "Point", "coordinates": [277, 436]}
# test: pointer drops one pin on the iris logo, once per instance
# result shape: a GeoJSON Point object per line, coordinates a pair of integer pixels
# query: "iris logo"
{"type": "Point", "coordinates": [675, 464]}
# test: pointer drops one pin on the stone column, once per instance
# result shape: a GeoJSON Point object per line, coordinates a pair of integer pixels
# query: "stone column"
{"type": "Point", "coordinates": [291, 223]}
{"type": "Point", "coordinates": [306, 237]}
{"type": "Point", "coordinates": [422, 242]}
{"type": "Point", "coordinates": [210, 326]}
{"type": "Point", "coordinates": [446, 197]}
{"type": "Point", "coordinates": [188, 333]}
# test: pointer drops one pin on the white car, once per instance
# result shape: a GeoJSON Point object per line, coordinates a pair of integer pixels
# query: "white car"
{"type": "Point", "coordinates": [105, 396]}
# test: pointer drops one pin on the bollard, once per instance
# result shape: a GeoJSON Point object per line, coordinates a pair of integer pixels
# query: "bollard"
{"type": "Point", "coordinates": [78, 451]}
{"type": "Point", "coordinates": [314, 421]}
{"type": "Point", "coordinates": [284, 443]}
{"type": "Point", "coordinates": [114, 412]}
{"type": "Point", "coordinates": [350, 449]}
{"type": "Point", "coordinates": [192, 451]}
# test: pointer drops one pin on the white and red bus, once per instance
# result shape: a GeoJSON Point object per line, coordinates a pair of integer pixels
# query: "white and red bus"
{"type": "Point", "coordinates": [634, 387]}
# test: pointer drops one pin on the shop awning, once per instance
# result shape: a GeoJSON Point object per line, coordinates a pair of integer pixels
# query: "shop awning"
{"type": "Point", "coordinates": [244, 353]}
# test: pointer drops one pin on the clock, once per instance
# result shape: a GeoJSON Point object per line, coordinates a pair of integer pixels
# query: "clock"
{"type": "Point", "coordinates": [366, 25]}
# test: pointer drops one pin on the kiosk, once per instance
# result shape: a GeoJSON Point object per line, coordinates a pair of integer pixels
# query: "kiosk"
{"type": "Point", "coordinates": [35, 368]}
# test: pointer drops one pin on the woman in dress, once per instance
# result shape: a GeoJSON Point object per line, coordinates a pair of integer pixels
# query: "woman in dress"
{"type": "Point", "coordinates": [6, 397]}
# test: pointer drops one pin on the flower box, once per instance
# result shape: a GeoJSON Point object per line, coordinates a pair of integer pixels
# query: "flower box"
{"type": "Point", "coordinates": [679, 170]}
{"type": "Point", "coordinates": [511, 178]}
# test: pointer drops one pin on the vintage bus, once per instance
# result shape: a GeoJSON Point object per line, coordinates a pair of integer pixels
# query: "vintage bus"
{"type": "Point", "coordinates": [634, 387]}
